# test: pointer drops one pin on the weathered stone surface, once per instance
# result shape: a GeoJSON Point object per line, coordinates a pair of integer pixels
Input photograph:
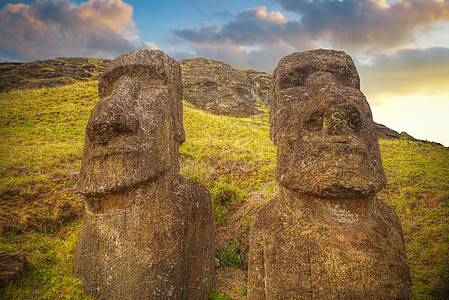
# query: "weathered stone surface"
{"type": "Point", "coordinates": [49, 73]}
{"type": "Point", "coordinates": [322, 124]}
{"type": "Point", "coordinates": [134, 131]}
{"type": "Point", "coordinates": [147, 231]}
{"type": "Point", "coordinates": [217, 87]}
{"type": "Point", "coordinates": [12, 266]}
{"type": "Point", "coordinates": [262, 84]}
{"type": "Point", "coordinates": [325, 235]}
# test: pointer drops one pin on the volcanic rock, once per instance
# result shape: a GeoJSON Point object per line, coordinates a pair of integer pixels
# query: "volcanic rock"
{"type": "Point", "coordinates": [49, 73]}
{"type": "Point", "coordinates": [218, 88]}
{"type": "Point", "coordinates": [385, 133]}
{"type": "Point", "coordinates": [262, 84]}
{"type": "Point", "coordinates": [12, 266]}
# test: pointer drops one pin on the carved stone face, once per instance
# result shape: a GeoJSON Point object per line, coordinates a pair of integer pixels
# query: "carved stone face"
{"type": "Point", "coordinates": [135, 130]}
{"type": "Point", "coordinates": [323, 127]}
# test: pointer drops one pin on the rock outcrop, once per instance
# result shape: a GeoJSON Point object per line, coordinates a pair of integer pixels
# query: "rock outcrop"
{"type": "Point", "coordinates": [262, 84]}
{"type": "Point", "coordinates": [218, 88]}
{"type": "Point", "coordinates": [385, 133]}
{"type": "Point", "coordinates": [325, 234]}
{"type": "Point", "coordinates": [405, 136]}
{"type": "Point", "coordinates": [50, 73]}
{"type": "Point", "coordinates": [12, 266]}
{"type": "Point", "coordinates": [147, 231]}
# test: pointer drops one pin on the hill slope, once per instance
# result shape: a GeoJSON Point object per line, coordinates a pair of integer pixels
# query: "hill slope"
{"type": "Point", "coordinates": [41, 137]}
{"type": "Point", "coordinates": [50, 73]}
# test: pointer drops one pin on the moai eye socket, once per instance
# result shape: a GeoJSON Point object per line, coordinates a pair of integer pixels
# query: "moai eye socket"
{"type": "Point", "coordinates": [295, 78]}
{"type": "Point", "coordinates": [315, 121]}
{"type": "Point", "coordinates": [145, 75]}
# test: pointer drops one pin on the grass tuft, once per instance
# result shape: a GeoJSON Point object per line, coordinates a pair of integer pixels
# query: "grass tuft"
{"type": "Point", "coordinates": [219, 296]}
{"type": "Point", "coordinates": [228, 255]}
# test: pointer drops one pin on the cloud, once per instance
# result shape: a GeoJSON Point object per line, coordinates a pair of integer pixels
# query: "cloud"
{"type": "Point", "coordinates": [245, 41]}
{"type": "Point", "coordinates": [51, 28]}
{"type": "Point", "coordinates": [252, 26]}
{"type": "Point", "coordinates": [355, 26]}
{"type": "Point", "coordinates": [261, 59]}
{"type": "Point", "coordinates": [407, 72]}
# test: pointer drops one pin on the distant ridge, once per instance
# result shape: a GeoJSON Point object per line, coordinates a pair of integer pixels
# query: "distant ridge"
{"type": "Point", "coordinates": [50, 73]}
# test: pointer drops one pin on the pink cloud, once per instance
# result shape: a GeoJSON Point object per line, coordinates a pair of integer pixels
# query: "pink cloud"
{"type": "Point", "coordinates": [46, 29]}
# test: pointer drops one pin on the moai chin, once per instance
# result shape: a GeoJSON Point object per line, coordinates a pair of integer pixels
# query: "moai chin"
{"type": "Point", "coordinates": [325, 235]}
{"type": "Point", "coordinates": [147, 231]}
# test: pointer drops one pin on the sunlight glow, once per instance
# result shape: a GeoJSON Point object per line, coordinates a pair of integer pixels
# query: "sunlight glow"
{"type": "Point", "coordinates": [422, 116]}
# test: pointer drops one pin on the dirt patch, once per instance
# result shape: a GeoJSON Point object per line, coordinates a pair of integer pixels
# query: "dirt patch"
{"type": "Point", "coordinates": [432, 201]}
{"type": "Point", "coordinates": [232, 281]}
{"type": "Point", "coordinates": [43, 212]}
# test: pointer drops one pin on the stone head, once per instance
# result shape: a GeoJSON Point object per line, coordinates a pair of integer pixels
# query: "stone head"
{"type": "Point", "coordinates": [323, 127]}
{"type": "Point", "coordinates": [135, 130]}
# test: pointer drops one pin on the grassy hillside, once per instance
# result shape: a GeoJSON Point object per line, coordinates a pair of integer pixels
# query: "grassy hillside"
{"type": "Point", "coordinates": [41, 138]}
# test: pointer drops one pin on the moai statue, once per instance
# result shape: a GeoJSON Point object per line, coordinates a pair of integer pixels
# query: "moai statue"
{"type": "Point", "coordinates": [147, 231]}
{"type": "Point", "coordinates": [325, 235]}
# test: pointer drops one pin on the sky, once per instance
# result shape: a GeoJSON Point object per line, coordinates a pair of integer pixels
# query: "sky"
{"type": "Point", "coordinates": [400, 47]}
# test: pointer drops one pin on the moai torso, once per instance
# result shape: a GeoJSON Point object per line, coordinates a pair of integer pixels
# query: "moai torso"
{"type": "Point", "coordinates": [293, 257]}
{"type": "Point", "coordinates": [147, 231]}
{"type": "Point", "coordinates": [325, 235]}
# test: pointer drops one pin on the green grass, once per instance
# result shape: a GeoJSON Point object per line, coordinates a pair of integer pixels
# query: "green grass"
{"type": "Point", "coordinates": [232, 157]}
{"type": "Point", "coordinates": [41, 136]}
{"type": "Point", "coordinates": [49, 264]}
{"type": "Point", "coordinates": [219, 296]}
{"type": "Point", "coordinates": [228, 255]}
{"type": "Point", "coordinates": [41, 141]}
{"type": "Point", "coordinates": [418, 189]}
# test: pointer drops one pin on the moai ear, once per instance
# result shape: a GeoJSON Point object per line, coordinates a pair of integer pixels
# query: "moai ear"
{"type": "Point", "coordinates": [273, 108]}
{"type": "Point", "coordinates": [178, 126]}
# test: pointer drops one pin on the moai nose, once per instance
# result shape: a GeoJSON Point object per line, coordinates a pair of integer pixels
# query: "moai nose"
{"type": "Point", "coordinates": [113, 116]}
{"type": "Point", "coordinates": [341, 119]}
